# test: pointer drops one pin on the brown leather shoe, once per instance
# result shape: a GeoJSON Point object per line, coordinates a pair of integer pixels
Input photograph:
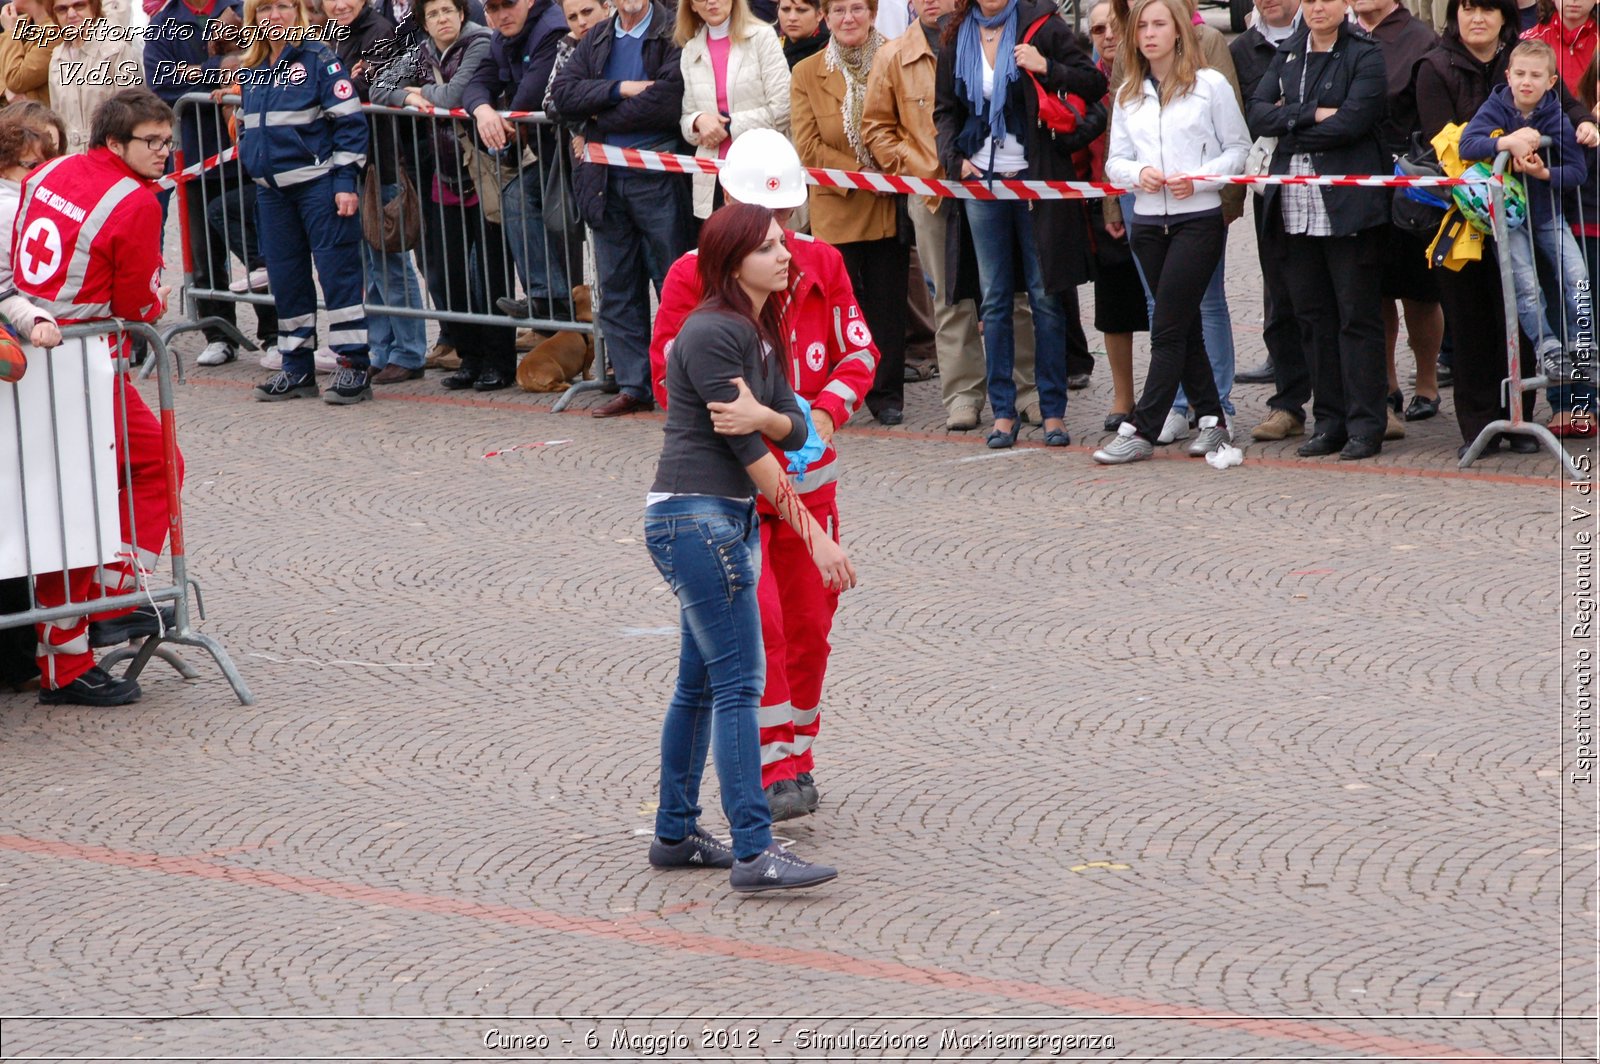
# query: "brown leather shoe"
{"type": "Point", "coordinates": [393, 374]}
{"type": "Point", "coordinates": [622, 403]}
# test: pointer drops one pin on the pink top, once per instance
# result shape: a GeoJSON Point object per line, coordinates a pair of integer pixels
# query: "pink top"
{"type": "Point", "coordinates": [718, 49]}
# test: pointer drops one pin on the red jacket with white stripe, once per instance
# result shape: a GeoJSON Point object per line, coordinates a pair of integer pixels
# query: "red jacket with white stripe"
{"type": "Point", "coordinates": [831, 360]}
{"type": "Point", "coordinates": [87, 241]}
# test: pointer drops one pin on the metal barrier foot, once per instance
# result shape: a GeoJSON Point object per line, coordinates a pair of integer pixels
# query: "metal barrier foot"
{"type": "Point", "coordinates": [166, 654]}
{"type": "Point", "coordinates": [576, 389]}
{"type": "Point", "coordinates": [1545, 437]}
{"type": "Point", "coordinates": [156, 647]}
{"type": "Point", "coordinates": [229, 330]}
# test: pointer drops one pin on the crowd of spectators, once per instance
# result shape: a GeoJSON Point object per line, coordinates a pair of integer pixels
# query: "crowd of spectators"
{"type": "Point", "coordinates": [926, 88]}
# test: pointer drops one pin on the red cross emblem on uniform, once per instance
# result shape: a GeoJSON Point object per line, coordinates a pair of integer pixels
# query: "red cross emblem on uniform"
{"type": "Point", "coordinates": [772, 184]}
{"type": "Point", "coordinates": [41, 250]}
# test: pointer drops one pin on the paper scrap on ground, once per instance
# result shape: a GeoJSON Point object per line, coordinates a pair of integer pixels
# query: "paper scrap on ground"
{"type": "Point", "coordinates": [526, 446]}
{"type": "Point", "coordinates": [1225, 456]}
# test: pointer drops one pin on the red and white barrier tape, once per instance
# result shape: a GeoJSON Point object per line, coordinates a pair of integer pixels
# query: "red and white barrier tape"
{"type": "Point", "coordinates": [1000, 189]}
{"type": "Point", "coordinates": [189, 173]}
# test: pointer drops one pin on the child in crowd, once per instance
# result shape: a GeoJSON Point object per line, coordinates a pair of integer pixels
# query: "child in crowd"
{"type": "Point", "coordinates": [1514, 118]}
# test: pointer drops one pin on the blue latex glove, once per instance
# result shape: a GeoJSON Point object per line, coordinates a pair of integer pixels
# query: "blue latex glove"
{"type": "Point", "coordinates": [811, 450]}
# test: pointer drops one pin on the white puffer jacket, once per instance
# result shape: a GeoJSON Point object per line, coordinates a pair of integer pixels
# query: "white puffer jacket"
{"type": "Point", "coordinates": [758, 93]}
{"type": "Point", "coordinates": [1198, 133]}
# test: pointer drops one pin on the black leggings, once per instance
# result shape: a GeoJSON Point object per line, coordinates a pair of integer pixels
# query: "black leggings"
{"type": "Point", "coordinates": [1178, 260]}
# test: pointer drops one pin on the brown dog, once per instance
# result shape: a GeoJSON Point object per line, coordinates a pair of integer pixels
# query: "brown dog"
{"type": "Point", "coordinates": [548, 367]}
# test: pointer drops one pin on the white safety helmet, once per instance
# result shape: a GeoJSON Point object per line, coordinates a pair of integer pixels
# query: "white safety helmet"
{"type": "Point", "coordinates": [763, 168]}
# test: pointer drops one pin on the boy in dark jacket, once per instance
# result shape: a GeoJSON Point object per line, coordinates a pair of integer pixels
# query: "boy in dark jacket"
{"type": "Point", "coordinates": [1514, 118]}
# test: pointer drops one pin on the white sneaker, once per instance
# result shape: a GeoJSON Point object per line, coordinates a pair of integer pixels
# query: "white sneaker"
{"type": "Point", "coordinates": [1212, 436]}
{"type": "Point", "coordinates": [254, 281]}
{"type": "Point", "coordinates": [326, 360]}
{"type": "Point", "coordinates": [1126, 446]}
{"type": "Point", "coordinates": [217, 353]}
{"type": "Point", "coordinates": [272, 360]}
{"type": "Point", "coordinates": [1175, 428]}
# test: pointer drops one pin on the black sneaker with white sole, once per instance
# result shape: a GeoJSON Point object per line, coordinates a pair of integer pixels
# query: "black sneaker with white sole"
{"type": "Point", "coordinates": [97, 687]}
{"type": "Point", "coordinates": [142, 623]}
{"type": "Point", "coordinates": [285, 385]}
{"type": "Point", "coordinates": [697, 851]}
{"type": "Point", "coordinates": [350, 384]}
{"type": "Point", "coordinates": [774, 869]}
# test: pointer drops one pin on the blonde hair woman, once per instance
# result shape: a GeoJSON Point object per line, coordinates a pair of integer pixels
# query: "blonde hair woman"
{"type": "Point", "coordinates": [734, 78]}
{"type": "Point", "coordinates": [1172, 118]}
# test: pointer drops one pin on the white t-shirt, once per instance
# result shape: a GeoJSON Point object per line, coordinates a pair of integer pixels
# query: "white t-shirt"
{"type": "Point", "coordinates": [1009, 155]}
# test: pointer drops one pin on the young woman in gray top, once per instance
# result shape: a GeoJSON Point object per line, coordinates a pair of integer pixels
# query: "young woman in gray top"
{"type": "Point", "coordinates": [727, 397]}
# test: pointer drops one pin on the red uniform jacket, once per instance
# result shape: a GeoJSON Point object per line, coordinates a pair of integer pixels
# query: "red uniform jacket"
{"type": "Point", "coordinates": [831, 360]}
{"type": "Point", "coordinates": [87, 240]}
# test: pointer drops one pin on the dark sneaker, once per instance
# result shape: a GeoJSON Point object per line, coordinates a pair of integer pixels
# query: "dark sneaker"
{"type": "Point", "coordinates": [697, 851]}
{"type": "Point", "coordinates": [773, 869]}
{"type": "Point", "coordinates": [808, 790]}
{"type": "Point", "coordinates": [785, 800]}
{"type": "Point", "coordinates": [97, 687]}
{"type": "Point", "coordinates": [285, 385]}
{"type": "Point", "coordinates": [142, 623]}
{"type": "Point", "coordinates": [514, 308]}
{"type": "Point", "coordinates": [350, 384]}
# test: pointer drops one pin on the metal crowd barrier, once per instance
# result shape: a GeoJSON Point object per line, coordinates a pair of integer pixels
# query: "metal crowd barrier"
{"type": "Point", "coordinates": [58, 471]}
{"type": "Point", "coordinates": [1515, 384]}
{"type": "Point", "coordinates": [466, 260]}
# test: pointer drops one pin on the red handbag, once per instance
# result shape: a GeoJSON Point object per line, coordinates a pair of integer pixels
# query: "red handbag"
{"type": "Point", "coordinates": [1060, 113]}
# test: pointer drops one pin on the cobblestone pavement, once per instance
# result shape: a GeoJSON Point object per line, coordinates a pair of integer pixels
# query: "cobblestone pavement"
{"type": "Point", "coordinates": [1179, 763]}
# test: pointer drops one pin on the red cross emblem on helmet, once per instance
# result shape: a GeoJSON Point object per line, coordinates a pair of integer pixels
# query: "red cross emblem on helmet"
{"type": "Point", "coordinates": [772, 184]}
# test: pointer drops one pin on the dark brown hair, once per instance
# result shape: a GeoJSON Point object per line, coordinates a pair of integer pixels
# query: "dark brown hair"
{"type": "Point", "coordinates": [726, 238]}
{"type": "Point", "coordinates": [118, 117]}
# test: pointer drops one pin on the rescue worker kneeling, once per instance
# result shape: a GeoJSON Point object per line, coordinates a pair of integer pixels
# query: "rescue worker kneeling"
{"type": "Point", "coordinates": [303, 138]}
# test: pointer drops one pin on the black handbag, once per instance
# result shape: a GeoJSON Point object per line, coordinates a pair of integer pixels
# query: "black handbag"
{"type": "Point", "coordinates": [562, 222]}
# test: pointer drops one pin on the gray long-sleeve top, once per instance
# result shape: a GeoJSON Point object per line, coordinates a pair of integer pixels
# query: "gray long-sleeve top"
{"type": "Point", "coordinates": [712, 348]}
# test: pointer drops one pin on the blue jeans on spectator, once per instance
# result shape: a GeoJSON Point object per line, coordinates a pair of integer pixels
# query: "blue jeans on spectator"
{"type": "Point", "coordinates": [1217, 327]}
{"type": "Point", "coordinates": [643, 231]}
{"type": "Point", "coordinates": [708, 550]}
{"type": "Point", "coordinates": [1548, 249]}
{"type": "Point", "coordinates": [391, 282]}
{"type": "Point", "coordinates": [540, 262]}
{"type": "Point", "coordinates": [1000, 229]}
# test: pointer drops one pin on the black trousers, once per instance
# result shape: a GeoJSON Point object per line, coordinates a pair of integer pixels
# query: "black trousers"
{"type": "Point", "coordinates": [1079, 360]}
{"type": "Point", "coordinates": [17, 645]}
{"type": "Point", "coordinates": [1291, 374]}
{"type": "Point", "coordinates": [468, 269]}
{"type": "Point", "coordinates": [1334, 282]}
{"type": "Point", "coordinates": [1475, 316]}
{"type": "Point", "coordinates": [878, 271]}
{"type": "Point", "coordinates": [1178, 260]}
{"type": "Point", "coordinates": [209, 248]}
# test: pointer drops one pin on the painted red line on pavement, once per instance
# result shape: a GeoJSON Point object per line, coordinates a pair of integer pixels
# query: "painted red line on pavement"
{"type": "Point", "coordinates": [811, 960]}
{"type": "Point", "coordinates": [974, 440]}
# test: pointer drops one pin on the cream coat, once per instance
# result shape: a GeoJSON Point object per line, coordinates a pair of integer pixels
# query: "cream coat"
{"type": "Point", "coordinates": [83, 74]}
{"type": "Point", "coordinates": [758, 93]}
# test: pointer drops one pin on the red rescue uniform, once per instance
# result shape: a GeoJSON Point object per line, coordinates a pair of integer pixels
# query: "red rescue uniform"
{"type": "Point", "coordinates": [831, 361]}
{"type": "Point", "coordinates": [87, 246]}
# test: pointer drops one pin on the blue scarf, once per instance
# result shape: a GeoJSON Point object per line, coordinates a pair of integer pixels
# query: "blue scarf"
{"type": "Point", "coordinates": [969, 64]}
